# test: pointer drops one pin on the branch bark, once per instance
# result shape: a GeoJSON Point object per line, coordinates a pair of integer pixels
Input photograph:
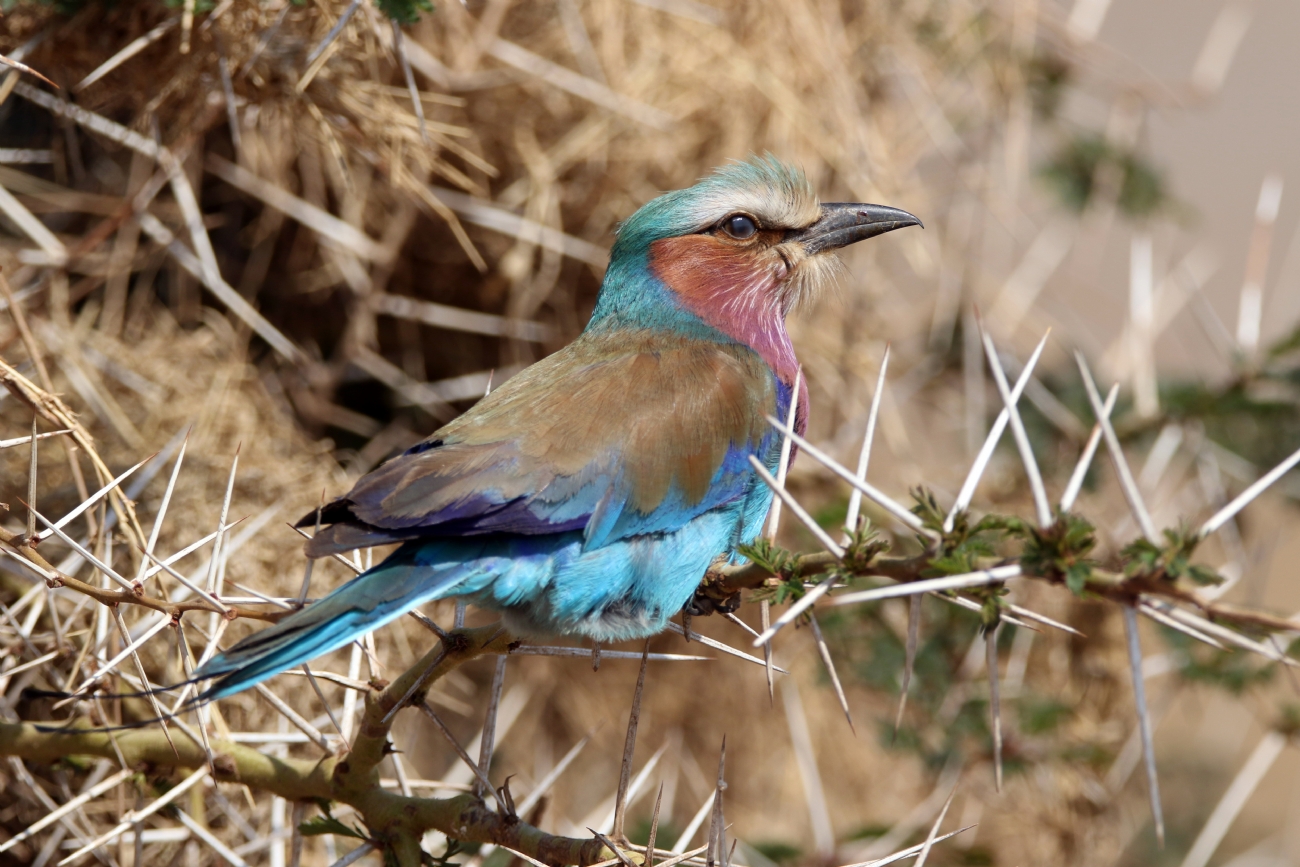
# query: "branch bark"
{"type": "Point", "coordinates": [396, 821]}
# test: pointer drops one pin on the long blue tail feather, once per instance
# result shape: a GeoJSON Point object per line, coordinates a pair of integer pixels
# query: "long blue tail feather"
{"type": "Point", "coordinates": [367, 602]}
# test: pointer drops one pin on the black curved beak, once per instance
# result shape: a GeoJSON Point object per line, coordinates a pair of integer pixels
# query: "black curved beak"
{"type": "Point", "coordinates": [844, 223]}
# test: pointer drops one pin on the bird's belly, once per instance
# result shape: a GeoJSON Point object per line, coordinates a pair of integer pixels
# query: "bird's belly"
{"type": "Point", "coordinates": [623, 590]}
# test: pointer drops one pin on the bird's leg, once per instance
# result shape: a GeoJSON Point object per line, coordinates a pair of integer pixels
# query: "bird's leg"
{"type": "Point", "coordinates": [713, 599]}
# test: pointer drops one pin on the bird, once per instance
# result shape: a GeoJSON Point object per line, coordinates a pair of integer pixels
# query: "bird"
{"type": "Point", "coordinates": [588, 495]}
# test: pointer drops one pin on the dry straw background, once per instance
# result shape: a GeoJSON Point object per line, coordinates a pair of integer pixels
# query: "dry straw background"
{"type": "Point", "coordinates": [225, 223]}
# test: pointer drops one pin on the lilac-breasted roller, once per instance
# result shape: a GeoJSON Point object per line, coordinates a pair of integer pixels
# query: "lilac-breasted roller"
{"type": "Point", "coordinates": [588, 494]}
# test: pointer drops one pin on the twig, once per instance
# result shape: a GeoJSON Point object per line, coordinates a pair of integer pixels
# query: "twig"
{"type": "Point", "coordinates": [578, 652]}
{"type": "Point", "coordinates": [995, 702]}
{"type": "Point", "coordinates": [135, 816]}
{"type": "Point", "coordinates": [717, 824]}
{"type": "Point", "coordinates": [909, 659]}
{"type": "Point", "coordinates": [1144, 719]}
{"type": "Point", "coordinates": [629, 747]}
{"type": "Point", "coordinates": [488, 738]}
{"type": "Point", "coordinates": [464, 756]}
{"type": "Point", "coordinates": [825, 652]}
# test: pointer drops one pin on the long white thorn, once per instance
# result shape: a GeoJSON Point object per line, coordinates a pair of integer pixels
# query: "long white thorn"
{"type": "Point", "coordinates": [824, 651]}
{"type": "Point", "coordinates": [113, 663]}
{"type": "Point", "coordinates": [806, 759]}
{"type": "Point", "coordinates": [692, 635]}
{"type": "Point", "coordinates": [799, 607]}
{"type": "Point", "coordinates": [1239, 791]}
{"type": "Point", "coordinates": [1126, 480]}
{"type": "Point", "coordinates": [981, 463]}
{"type": "Point", "coordinates": [216, 567]}
{"type": "Point", "coordinates": [194, 588]}
{"type": "Point", "coordinates": [1209, 627]}
{"type": "Point", "coordinates": [1040, 618]}
{"type": "Point", "coordinates": [90, 558]}
{"type": "Point", "coordinates": [166, 501]}
{"type": "Point", "coordinates": [693, 826]}
{"type": "Point", "coordinates": [1089, 451]}
{"type": "Point", "coordinates": [799, 512]}
{"type": "Point", "coordinates": [464, 756]}
{"type": "Point", "coordinates": [909, 659]}
{"type": "Point", "coordinates": [864, 456]}
{"type": "Point", "coordinates": [881, 499]}
{"type": "Point", "coordinates": [934, 830]}
{"type": "Point", "coordinates": [22, 441]}
{"type": "Point", "coordinates": [1018, 431]}
{"type": "Point", "coordinates": [995, 702]}
{"type": "Point", "coordinates": [910, 851]}
{"type": "Point", "coordinates": [932, 585]}
{"type": "Point", "coordinates": [765, 620]}
{"type": "Point", "coordinates": [1144, 720]}
{"type": "Point", "coordinates": [783, 465]}
{"type": "Point", "coordinates": [1226, 514]}
{"type": "Point", "coordinates": [1165, 620]}
{"type": "Point", "coordinates": [774, 522]}
{"type": "Point", "coordinates": [52, 817]}
{"type": "Point", "coordinates": [92, 500]}
{"type": "Point", "coordinates": [136, 816]}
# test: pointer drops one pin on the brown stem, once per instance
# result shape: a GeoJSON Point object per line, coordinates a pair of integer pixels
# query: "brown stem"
{"type": "Point", "coordinates": [18, 546]}
{"type": "Point", "coordinates": [396, 821]}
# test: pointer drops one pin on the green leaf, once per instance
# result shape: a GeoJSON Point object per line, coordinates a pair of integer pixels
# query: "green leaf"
{"type": "Point", "coordinates": [405, 12]}
{"type": "Point", "coordinates": [327, 824]}
{"type": "Point", "coordinates": [1205, 576]}
{"type": "Point", "coordinates": [1076, 577]}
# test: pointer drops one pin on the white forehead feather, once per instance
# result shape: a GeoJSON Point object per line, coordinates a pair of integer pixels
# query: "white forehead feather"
{"type": "Point", "coordinates": [778, 195]}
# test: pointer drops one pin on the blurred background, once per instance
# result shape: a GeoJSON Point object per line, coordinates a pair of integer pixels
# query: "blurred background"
{"type": "Point", "coordinates": [313, 231]}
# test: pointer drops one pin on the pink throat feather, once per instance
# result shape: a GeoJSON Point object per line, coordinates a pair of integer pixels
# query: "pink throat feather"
{"type": "Point", "coordinates": [736, 294]}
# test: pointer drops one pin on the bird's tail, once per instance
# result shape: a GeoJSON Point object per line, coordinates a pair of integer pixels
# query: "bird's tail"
{"type": "Point", "coordinates": [367, 602]}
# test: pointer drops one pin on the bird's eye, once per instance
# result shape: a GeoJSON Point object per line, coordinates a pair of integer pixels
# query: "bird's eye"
{"type": "Point", "coordinates": [740, 227]}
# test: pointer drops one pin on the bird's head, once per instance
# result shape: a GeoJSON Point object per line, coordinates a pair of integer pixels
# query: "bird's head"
{"type": "Point", "coordinates": [737, 250]}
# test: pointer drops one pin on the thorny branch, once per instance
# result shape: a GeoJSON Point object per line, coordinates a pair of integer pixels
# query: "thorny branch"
{"type": "Point", "coordinates": [727, 582]}
{"type": "Point", "coordinates": [17, 546]}
{"type": "Point", "coordinates": [1057, 553]}
{"type": "Point", "coordinates": [396, 822]}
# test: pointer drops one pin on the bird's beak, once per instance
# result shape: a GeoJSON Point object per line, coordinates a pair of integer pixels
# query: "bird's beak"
{"type": "Point", "coordinates": [844, 223]}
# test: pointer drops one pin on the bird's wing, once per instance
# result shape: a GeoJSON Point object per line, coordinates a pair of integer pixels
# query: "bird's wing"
{"type": "Point", "coordinates": [617, 434]}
